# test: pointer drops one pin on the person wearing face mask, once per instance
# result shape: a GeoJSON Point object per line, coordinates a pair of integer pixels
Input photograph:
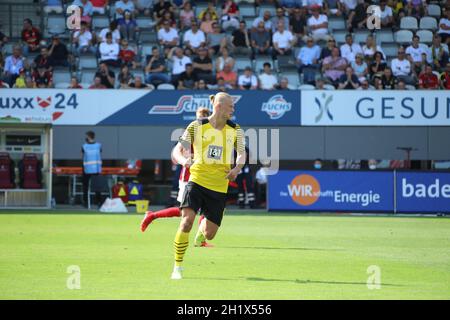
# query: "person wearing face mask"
{"type": "Point", "coordinates": [92, 165]}
{"type": "Point", "coordinates": [317, 164]}
{"type": "Point", "coordinates": [372, 164]}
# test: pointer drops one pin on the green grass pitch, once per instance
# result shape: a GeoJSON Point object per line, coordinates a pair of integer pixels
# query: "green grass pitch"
{"type": "Point", "coordinates": [257, 256]}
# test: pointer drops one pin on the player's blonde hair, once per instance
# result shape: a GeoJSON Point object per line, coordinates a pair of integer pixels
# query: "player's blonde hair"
{"type": "Point", "coordinates": [218, 98]}
{"type": "Point", "coordinates": [202, 113]}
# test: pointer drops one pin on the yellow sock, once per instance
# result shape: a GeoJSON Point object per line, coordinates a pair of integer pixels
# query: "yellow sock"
{"type": "Point", "coordinates": [180, 244]}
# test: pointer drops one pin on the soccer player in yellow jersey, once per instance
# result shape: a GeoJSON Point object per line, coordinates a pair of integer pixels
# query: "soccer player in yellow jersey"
{"type": "Point", "coordinates": [214, 141]}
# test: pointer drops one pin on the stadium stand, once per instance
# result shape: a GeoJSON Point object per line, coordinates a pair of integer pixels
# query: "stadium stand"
{"type": "Point", "coordinates": [426, 23]}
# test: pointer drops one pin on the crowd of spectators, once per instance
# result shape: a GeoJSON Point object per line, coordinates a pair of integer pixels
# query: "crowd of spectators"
{"type": "Point", "coordinates": [198, 49]}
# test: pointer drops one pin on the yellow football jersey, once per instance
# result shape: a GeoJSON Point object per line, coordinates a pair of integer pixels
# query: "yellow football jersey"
{"type": "Point", "coordinates": [213, 152]}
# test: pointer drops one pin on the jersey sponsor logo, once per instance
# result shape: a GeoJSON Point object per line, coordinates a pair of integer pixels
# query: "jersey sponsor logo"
{"type": "Point", "coordinates": [187, 103]}
{"type": "Point", "coordinates": [215, 152]}
{"type": "Point", "coordinates": [276, 107]}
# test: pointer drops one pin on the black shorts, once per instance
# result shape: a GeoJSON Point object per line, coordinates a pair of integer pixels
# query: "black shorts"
{"type": "Point", "coordinates": [211, 203]}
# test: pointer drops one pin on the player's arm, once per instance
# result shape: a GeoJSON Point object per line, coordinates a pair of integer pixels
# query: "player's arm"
{"type": "Point", "coordinates": [181, 153]}
{"type": "Point", "coordinates": [241, 155]}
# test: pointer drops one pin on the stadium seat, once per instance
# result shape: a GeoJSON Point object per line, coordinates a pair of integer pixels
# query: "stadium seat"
{"type": "Point", "coordinates": [307, 87]}
{"type": "Point", "coordinates": [100, 22]}
{"type": "Point", "coordinates": [339, 36]}
{"type": "Point", "coordinates": [390, 50]}
{"type": "Point", "coordinates": [264, 7]}
{"type": "Point", "coordinates": [410, 87]}
{"type": "Point", "coordinates": [408, 23]}
{"type": "Point", "coordinates": [426, 36]}
{"type": "Point", "coordinates": [166, 86]}
{"type": "Point", "coordinates": [5, 85]}
{"type": "Point", "coordinates": [336, 23]}
{"type": "Point", "coordinates": [56, 24]}
{"type": "Point", "coordinates": [8, 48]}
{"type": "Point", "coordinates": [428, 23]}
{"type": "Point", "coordinates": [87, 76]}
{"type": "Point", "coordinates": [148, 36]}
{"type": "Point", "coordinates": [242, 63]}
{"type": "Point", "coordinates": [247, 10]}
{"type": "Point", "coordinates": [383, 36]}
{"type": "Point", "coordinates": [293, 78]}
{"type": "Point", "coordinates": [199, 8]}
{"type": "Point", "coordinates": [61, 85]}
{"type": "Point", "coordinates": [87, 62]}
{"type": "Point", "coordinates": [329, 87]}
{"type": "Point", "coordinates": [85, 85]}
{"type": "Point", "coordinates": [434, 10]}
{"type": "Point", "coordinates": [61, 76]}
{"type": "Point", "coordinates": [403, 36]}
{"type": "Point", "coordinates": [360, 36]}
{"type": "Point", "coordinates": [145, 23]}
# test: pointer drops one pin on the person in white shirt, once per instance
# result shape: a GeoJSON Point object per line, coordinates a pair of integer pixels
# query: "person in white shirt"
{"type": "Point", "coordinates": [414, 53]}
{"type": "Point", "coordinates": [283, 41]}
{"type": "Point", "coordinates": [349, 50]}
{"type": "Point", "coordinates": [109, 51]}
{"type": "Point", "coordinates": [266, 19]}
{"type": "Point", "coordinates": [348, 6]}
{"type": "Point", "coordinates": [401, 67]}
{"type": "Point", "coordinates": [267, 81]}
{"type": "Point", "coordinates": [82, 39]}
{"type": "Point", "coordinates": [194, 38]}
{"type": "Point", "coordinates": [248, 81]}
{"type": "Point", "coordinates": [370, 47]}
{"type": "Point", "coordinates": [387, 16]}
{"type": "Point", "coordinates": [168, 37]}
{"type": "Point", "coordinates": [308, 61]}
{"type": "Point", "coordinates": [123, 5]}
{"type": "Point", "coordinates": [444, 27]}
{"type": "Point", "coordinates": [318, 26]}
{"type": "Point", "coordinates": [179, 62]}
{"type": "Point", "coordinates": [114, 31]}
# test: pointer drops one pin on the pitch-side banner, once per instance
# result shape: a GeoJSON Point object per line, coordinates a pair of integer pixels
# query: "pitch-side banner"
{"type": "Point", "coordinates": [423, 192]}
{"type": "Point", "coordinates": [375, 108]}
{"type": "Point", "coordinates": [331, 191]}
{"type": "Point", "coordinates": [142, 107]}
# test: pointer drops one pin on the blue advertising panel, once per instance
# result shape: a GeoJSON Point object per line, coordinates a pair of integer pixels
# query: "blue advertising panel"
{"type": "Point", "coordinates": [252, 108]}
{"type": "Point", "coordinates": [423, 192]}
{"type": "Point", "coordinates": [331, 191]}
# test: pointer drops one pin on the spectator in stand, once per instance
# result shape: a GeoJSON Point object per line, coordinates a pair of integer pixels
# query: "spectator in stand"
{"type": "Point", "coordinates": [326, 51]}
{"type": "Point", "coordinates": [82, 40]}
{"type": "Point", "coordinates": [416, 8]}
{"type": "Point", "coordinates": [297, 22]}
{"type": "Point", "coordinates": [265, 19]}
{"type": "Point", "coordinates": [358, 17]}
{"type": "Point", "coordinates": [194, 38]}
{"type": "Point", "coordinates": [308, 61]}
{"type": "Point", "coordinates": [320, 84]}
{"type": "Point", "coordinates": [20, 82]}
{"type": "Point", "coordinates": [155, 70]}
{"type": "Point", "coordinates": [221, 85]}
{"type": "Point", "coordinates": [445, 77]}
{"type": "Point", "coordinates": [42, 78]}
{"type": "Point", "coordinates": [247, 80]}
{"type": "Point", "coordinates": [349, 49]}
{"type": "Point", "coordinates": [312, 3]}
{"type": "Point", "coordinates": [401, 67]}
{"type": "Point", "coordinates": [160, 8]}
{"type": "Point", "coordinates": [203, 66]}
{"type": "Point", "coordinates": [97, 84]}
{"type": "Point", "coordinates": [364, 85]}
{"type": "Point", "coordinates": [107, 76]}
{"type": "Point", "coordinates": [349, 80]}
{"type": "Point", "coordinates": [143, 7]}
{"type": "Point", "coordinates": [109, 51]}
{"type": "Point", "coordinates": [428, 80]}
{"type": "Point", "coordinates": [387, 16]}
{"type": "Point", "coordinates": [398, 9]}
{"type": "Point", "coordinates": [370, 47]}
{"type": "Point", "coordinates": [128, 55]}
{"type": "Point", "coordinates": [13, 64]}
{"type": "Point", "coordinates": [401, 85]}
{"type": "Point", "coordinates": [3, 38]}
{"type": "Point", "coordinates": [283, 41]}
{"type": "Point", "coordinates": [444, 27]}
{"type": "Point", "coordinates": [377, 83]}
{"type": "Point", "coordinates": [207, 24]}
{"type": "Point", "coordinates": [438, 53]}
{"type": "Point", "coordinates": [124, 77]}
{"type": "Point", "coordinates": [113, 28]}
{"type": "Point", "coordinates": [348, 6]}
{"type": "Point", "coordinates": [230, 15]}
{"type": "Point", "coordinates": [169, 17]}
{"type": "Point", "coordinates": [138, 84]}
{"type": "Point", "coordinates": [289, 5]}
{"type": "Point", "coordinates": [333, 7]}
{"type": "Point", "coordinates": [31, 37]}
{"type": "Point", "coordinates": [211, 9]}
{"type": "Point", "coordinates": [74, 84]}
{"type": "Point", "coordinates": [318, 25]}
{"type": "Point", "coordinates": [168, 37]}
{"type": "Point", "coordinates": [179, 62]}
{"type": "Point", "coordinates": [280, 16]}
{"type": "Point", "coordinates": [53, 6]}
{"type": "Point", "coordinates": [260, 41]}
{"type": "Point", "coordinates": [378, 65]}
{"type": "Point", "coordinates": [127, 26]}
{"type": "Point", "coordinates": [217, 40]}
{"type": "Point", "coordinates": [388, 80]}
{"type": "Point", "coordinates": [123, 5]}
{"type": "Point", "coordinates": [240, 40]}
{"type": "Point", "coordinates": [414, 54]}
{"type": "Point", "coordinates": [224, 59]}
{"type": "Point", "coordinates": [188, 79]}
{"type": "Point", "coordinates": [228, 75]}
{"type": "Point", "coordinates": [187, 16]}
{"type": "Point", "coordinates": [87, 10]}
{"type": "Point", "coordinates": [201, 85]}
{"type": "Point", "coordinates": [58, 52]}
{"type": "Point", "coordinates": [43, 61]}
{"type": "Point", "coordinates": [99, 6]}
{"type": "Point", "coordinates": [360, 67]}
{"type": "Point", "coordinates": [334, 66]}
{"type": "Point", "coordinates": [267, 81]}
{"type": "Point", "coordinates": [284, 84]}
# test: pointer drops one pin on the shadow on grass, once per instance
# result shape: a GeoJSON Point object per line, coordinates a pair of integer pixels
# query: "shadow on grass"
{"type": "Point", "coordinates": [284, 248]}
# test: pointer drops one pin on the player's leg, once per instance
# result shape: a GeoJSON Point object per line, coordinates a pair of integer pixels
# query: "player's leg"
{"type": "Point", "coordinates": [181, 241]}
{"type": "Point", "coordinates": [206, 231]}
{"type": "Point", "coordinates": [213, 209]}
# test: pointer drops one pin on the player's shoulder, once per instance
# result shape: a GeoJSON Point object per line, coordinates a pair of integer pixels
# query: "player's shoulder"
{"type": "Point", "coordinates": [233, 125]}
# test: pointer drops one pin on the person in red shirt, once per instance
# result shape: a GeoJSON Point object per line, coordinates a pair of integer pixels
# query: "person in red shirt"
{"type": "Point", "coordinates": [74, 84]}
{"type": "Point", "coordinates": [127, 55]}
{"type": "Point", "coordinates": [97, 84]}
{"type": "Point", "coordinates": [42, 78]}
{"type": "Point", "coordinates": [428, 80]}
{"type": "Point", "coordinates": [230, 15]}
{"type": "Point", "coordinates": [31, 36]}
{"type": "Point", "coordinates": [445, 77]}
